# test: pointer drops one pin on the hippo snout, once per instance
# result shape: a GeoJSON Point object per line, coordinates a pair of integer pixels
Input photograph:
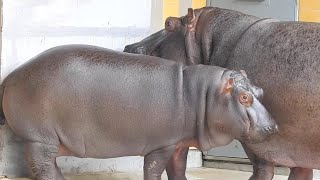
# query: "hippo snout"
{"type": "Point", "coordinates": [260, 134]}
{"type": "Point", "coordinates": [135, 49]}
{"type": "Point", "coordinates": [271, 129]}
{"type": "Point", "coordinates": [127, 48]}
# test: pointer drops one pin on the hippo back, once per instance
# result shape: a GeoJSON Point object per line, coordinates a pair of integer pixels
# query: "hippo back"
{"type": "Point", "coordinates": [85, 96]}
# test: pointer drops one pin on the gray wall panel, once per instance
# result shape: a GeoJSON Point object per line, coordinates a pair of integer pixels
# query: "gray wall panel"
{"type": "Point", "coordinates": [279, 9]}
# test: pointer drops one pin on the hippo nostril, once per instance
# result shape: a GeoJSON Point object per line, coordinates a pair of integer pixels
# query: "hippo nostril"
{"type": "Point", "coordinates": [271, 129]}
{"type": "Point", "coordinates": [141, 50]}
{"type": "Point", "coordinates": [276, 128]}
{"type": "Point", "coordinates": [135, 49]}
{"type": "Point", "coordinates": [267, 129]}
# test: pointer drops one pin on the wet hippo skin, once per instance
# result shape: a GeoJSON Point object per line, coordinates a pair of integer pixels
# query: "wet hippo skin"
{"type": "Point", "coordinates": [87, 101]}
{"type": "Point", "coordinates": [281, 57]}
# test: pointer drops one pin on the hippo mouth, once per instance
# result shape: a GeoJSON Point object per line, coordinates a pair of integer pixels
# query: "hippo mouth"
{"type": "Point", "coordinates": [150, 51]}
{"type": "Point", "coordinates": [256, 134]}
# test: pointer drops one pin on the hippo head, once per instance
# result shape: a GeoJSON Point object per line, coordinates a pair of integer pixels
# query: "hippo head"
{"type": "Point", "coordinates": [236, 111]}
{"type": "Point", "coordinates": [168, 43]}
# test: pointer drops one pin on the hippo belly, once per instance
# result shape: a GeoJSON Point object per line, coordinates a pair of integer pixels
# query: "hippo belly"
{"type": "Point", "coordinates": [94, 107]}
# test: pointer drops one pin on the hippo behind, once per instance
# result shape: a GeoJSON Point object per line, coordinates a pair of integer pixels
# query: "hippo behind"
{"type": "Point", "coordinates": [282, 57]}
{"type": "Point", "coordinates": [88, 101]}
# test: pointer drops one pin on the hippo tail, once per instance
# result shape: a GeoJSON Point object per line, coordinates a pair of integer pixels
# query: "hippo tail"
{"type": "Point", "coordinates": [2, 118]}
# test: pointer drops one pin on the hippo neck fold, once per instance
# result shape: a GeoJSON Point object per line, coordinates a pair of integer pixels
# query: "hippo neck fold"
{"type": "Point", "coordinates": [218, 31]}
{"type": "Point", "coordinates": [198, 81]}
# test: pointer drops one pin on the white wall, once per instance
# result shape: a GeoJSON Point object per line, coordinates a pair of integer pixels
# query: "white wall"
{"type": "Point", "coordinates": [33, 26]}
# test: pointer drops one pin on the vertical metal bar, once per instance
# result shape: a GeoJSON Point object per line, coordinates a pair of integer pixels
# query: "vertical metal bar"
{"type": "Point", "coordinates": [1, 26]}
{"type": "Point", "coordinates": [156, 15]}
{"type": "Point", "coordinates": [297, 10]}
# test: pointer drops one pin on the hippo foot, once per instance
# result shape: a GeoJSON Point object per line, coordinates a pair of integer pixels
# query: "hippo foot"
{"type": "Point", "coordinates": [178, 178]}
{"type": "Point", "coordinates": [261, 176]}
{"type": "Point", "coordinates": [42, 160]}
{"type": "Point", "coordinates": [298, 173]}
{"type": "Point", "coordinates": [262, 170]}
{"type": "Point", "coordinates": [156, 161]}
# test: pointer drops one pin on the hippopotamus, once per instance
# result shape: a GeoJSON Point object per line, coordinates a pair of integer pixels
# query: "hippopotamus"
{"type": "Point", "coordinates": [88, 101]}
{"type": "Point", "coordinates": [282, 57]}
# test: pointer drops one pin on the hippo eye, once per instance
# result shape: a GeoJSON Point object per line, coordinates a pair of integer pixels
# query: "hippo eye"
{"type": "Point", "coordinates": [169, 25]}
{"type": "Point", "coordinates": [246, 99]}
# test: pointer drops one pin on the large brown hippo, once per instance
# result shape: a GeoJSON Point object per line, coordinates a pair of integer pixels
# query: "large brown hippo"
{"type": "Point", "coordinates": [282, 57]}
{"type": "Point", "coordinates": [88, 101]}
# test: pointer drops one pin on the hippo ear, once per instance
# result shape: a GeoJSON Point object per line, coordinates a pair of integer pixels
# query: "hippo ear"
{"type": "Point", "coordinates": [243, 73]}
{"type": "Point", "coordinates": [189, 18]}
{"type": "Point", "coordinates": [228, 85]}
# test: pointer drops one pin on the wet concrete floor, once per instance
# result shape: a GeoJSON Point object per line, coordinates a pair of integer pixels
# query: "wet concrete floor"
{"type": "Point", "coordinates": [192, 174]}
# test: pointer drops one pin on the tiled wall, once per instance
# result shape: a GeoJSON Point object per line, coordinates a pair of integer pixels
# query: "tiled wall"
{"type": "Point", "coordinates": [309, 10]}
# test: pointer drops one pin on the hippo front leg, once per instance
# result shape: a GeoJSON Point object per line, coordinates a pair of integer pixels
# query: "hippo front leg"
{"type": "Point", "coordinates": [42, 160]}
{"type": "Point", "coordinates": [262, 169]}
{"type": "Point", "coordinates": [176, 167]}
{"type": "Point", "coordinates": [156, 161]}
{"type": "Point", "coordinates": [298, 173]}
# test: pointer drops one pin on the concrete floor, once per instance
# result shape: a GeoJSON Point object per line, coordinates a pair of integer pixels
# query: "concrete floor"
{"type": "Point", "coordinates": [192, 174]}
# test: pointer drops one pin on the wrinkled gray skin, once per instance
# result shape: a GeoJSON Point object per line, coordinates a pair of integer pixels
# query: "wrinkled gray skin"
{"type": "Point", "coordinates": [88, 101]}
{"type": "Point", "coordinates": [282, 57]}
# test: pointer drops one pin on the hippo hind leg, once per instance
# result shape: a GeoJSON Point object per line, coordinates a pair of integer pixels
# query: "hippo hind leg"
{"type": "Point", "coordinates": [156, 161]}
{"type": "Point", "coordinates": [42, 160]}
{"type": "Point", "coordinates": [298, 173]}
{"type": "Point", "coordinates": [176, 167]}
